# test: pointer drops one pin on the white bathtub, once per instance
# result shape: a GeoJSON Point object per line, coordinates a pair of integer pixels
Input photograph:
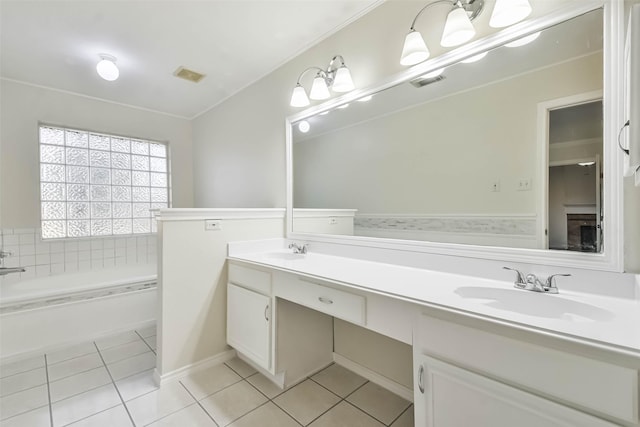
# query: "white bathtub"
{"type": "Point", "coordinates": [43, 313]}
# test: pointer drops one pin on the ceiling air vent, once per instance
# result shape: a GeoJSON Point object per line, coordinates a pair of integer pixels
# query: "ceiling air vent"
{"type": "Point", "coordinates": [423, 81]}
{"type": "Point", "coordinates": [187, 74]}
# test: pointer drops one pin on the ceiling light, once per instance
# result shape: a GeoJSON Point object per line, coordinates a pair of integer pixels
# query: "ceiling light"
{"type": "Point", "coordinates": [475, 58]}
{"type": "Point", "coordinates": [107, 68]}
{"type": "Point", "coordinates": [509, 12]}
{"type": "Point", "coordinates": [304, 126]}
{"type": "Point", "coordinates": [337, 77]}
{"type": "Point", "coordinates": [523, 40]}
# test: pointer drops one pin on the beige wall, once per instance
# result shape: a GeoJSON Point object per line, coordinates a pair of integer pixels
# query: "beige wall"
{"type": "Point", "coordinates": [23, 106]}
{"type": "Point", "coordinates": [428, 160]}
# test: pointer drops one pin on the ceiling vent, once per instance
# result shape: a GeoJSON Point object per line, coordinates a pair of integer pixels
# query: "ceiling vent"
{"type": "Point", "coordinates": [187, 74]}
{"type": "Point", "coordinates": [423, 81]}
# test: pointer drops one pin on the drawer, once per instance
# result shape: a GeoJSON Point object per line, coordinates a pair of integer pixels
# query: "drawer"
{"type": "Point", "coordinates": [590, 384]}
{"type": "Point", "coordinates": [334, 302]}
{"type": "Point", "coordinates": [257, 280]}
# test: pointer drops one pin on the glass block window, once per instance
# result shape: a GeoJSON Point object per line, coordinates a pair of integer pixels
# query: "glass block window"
{"type": "Point", "coordinates": [95, 184]}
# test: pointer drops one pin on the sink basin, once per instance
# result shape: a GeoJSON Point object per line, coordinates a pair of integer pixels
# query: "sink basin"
{"type": "Point", "coordinates": [284, 256]}
{"type": "Point", "coordinates": [534, 303]}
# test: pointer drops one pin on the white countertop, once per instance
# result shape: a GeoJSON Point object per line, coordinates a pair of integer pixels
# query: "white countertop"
{"type": "Point", "coordinates": [604, 321]}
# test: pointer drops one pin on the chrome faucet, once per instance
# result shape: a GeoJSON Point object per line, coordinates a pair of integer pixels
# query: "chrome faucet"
{"type": "Point", "coordinates": [531, 282]}
{"type": "Point", "coordinates": [8, 270]}
{"type": "Point", "coordinates": [297, 249]}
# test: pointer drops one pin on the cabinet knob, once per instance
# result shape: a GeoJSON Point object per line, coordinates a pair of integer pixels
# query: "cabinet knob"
{"type": "Point", "coordinates": [325, 300]}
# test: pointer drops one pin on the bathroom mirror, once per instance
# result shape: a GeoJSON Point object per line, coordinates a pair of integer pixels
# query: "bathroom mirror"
{"type": "Point", "coordinates": [502, 149]}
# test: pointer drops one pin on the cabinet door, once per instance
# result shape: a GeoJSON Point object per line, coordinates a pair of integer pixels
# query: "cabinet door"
{"type": "Point", "coordinates": [249, 324]}
{"type": "Point", "coordinates": [447, 396]}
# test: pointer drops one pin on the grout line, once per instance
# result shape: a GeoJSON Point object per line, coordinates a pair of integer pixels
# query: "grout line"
{"type": "Point", "coordinates": [145, 342]}
{"type": "Point", "coordinates": [75, 373]}
{"type": "Point", "coordinates": [401, 414]}
{"type": "Point", "coordinates": [198, 403]}
{"type": "Point", "coordinates": [23, 372]}
{"type": "Point", "coordinates": [283, 410]}
{"type": "Point", "coordinates": [114, 385]}
{"type": "Point", "coordinates": [71, 358]}
{"type": "Point", "coordinates": [46, 371]}
{"type": "Point", "coordinates": [365, 412]}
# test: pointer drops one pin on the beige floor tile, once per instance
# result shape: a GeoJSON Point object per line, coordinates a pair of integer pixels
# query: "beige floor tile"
{"type": "Point", "coordinates": [345, 415]}
{"type": "Point", "coordinates": [114, 417]}
{"type": "Point", "coordinates": [74, 366]}
{"type": "Point", "coordinates": [209, 381]}
{"type": "Point", "coordinates": [78, 383]}
{"type": "Point", "coordinates": [132, 365]}
{"type": "Point", "coordinates": [158, 404]}
{"type": "Point", "coordinates": [123, 351]}
{"type": "Point", "coordinates": [306, 401]}
{"type": "Point", "coordinates": [232, 402]}
{"type": "Point", "coordinates": [339, 380]}
{"type": "Point", "coordinates": [240, 367]}
{"type": "Point", "coordinates": [405, 420]}
{"type": "Point", "coordinates": [265, 386]}
{"type": "Point", "coordinates": [191, 416]}
{"type": "Point", "coordinates": [267, 415]}
{"type": "Point", "coordinates": [71, 352]}
{"type": "Point", "coordinates": [18, 366]}
{"type": "Point", "coordinates": [22, 381]}
{"type": "Point", "coordinates": [378, 402]}
{"type": "Point", "coordinates": [84, 405]}
{"type": "Point", "coordinates": [136, 385]}
{"type": "Point", "coordinates": [23, 401]}
{"type": "Point", "coordinates": [37, 418]}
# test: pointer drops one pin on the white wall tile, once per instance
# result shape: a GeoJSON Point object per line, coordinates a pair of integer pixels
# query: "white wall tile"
{"type": "Point", "coordinates": [96, 244]}
{"type": "Point", "coordinates": [43, 270]}
{"type": "Point", "coordinates": [84, 245]}
{"type": "Point", "coordinates": [71, 246]}
{"type": "Point", "coordinates": [11, 239]}
{"type": "Point", "coordinates": [29, 273]}
{"type": "Point", "coordinates": [42, 247]}
{"type": "Point", "coordinates": [84, 255]}
{"type": "Point", "coordinates": [57, 268]}
{"type": "Point", "coordinates": [57, 258]}
{"type": "Point", "coordinates": [27, 249]}
{"type": "Point", "coordinates": [97, 264]}
{"type": "Point", "coordinates": [84, 265]}
{"type": "Point", "coordinates": [27, 260]}
{"type": "Point", "coordinates": [109, 262]}
{"type": "Point", "coordinates": [57, 247]}
{"type": "Point", "coordinates": [27, 239]}
{"type": "Point", "coordinates": [42, 259]}
{"type": "Point", "coordinates": [70, 267]}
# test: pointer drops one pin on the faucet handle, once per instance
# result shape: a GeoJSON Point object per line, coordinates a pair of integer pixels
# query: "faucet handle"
{"type": "Point", "coordinates": [550, 283]}
{"type": "Point", "coordinates": [520, 282]}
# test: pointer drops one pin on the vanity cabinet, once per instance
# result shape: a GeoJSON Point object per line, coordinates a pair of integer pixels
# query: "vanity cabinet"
{"type": "Point", "coordinates": [465, 375]}
{"type": "Point", "coordinates": [249, 313]}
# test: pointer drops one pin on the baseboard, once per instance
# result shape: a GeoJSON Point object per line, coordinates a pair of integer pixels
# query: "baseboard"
{"type": "Point", "coordinates": [384, 382]}
{"type": "Point", "coordinates": [216, 359]}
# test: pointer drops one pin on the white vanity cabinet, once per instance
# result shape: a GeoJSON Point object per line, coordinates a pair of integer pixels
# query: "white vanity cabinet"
{"type": "Point", "coordinates": [467, 376]}
{"type": "Point", "coordinates": [249, 313]}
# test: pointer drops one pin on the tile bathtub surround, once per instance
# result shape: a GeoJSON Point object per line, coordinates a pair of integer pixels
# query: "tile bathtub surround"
{"type": "Point", "coordinates": [42, 258]}
{"type": "Point", "coordinates": [109, 383]}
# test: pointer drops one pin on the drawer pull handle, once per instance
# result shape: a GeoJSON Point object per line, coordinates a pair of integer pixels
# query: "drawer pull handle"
{"type": "Point", "coordinates": [266, 317]}
{"type": "Point", "coordinates": [421, 379]}
{"type": "Point", "coordinates": [325, 300]}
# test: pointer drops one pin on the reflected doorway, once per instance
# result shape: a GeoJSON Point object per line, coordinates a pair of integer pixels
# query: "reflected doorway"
{"type": "Point", "coordinates": [574, 217]}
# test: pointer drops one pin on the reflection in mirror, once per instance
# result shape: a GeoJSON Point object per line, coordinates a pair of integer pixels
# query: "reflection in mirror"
{"type": "Point", "coordinates": [457, 156]}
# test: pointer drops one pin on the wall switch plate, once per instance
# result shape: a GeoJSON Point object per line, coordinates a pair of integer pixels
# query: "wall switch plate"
{"type": "Point", "coordinates": [333, 221]}
{"type": "Point", "coordinates": [524, 185]}
{"type": "Point", "coordinates": [495, 186]}
{"type": "Point", "coordinates": [212, 224]}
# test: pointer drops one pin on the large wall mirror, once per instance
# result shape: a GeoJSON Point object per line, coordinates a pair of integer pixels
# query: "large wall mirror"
{"type": "Point", "coordinates": [503, 149]}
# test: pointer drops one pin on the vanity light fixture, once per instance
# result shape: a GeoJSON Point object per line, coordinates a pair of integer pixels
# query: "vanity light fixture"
{"type": "Point", "coordinates": [475, 58]}
{"type": "Point", "coordinates": [458, 28]}
{"type": "Point", "coordinates": [523, 40]}
{"type": "Point", "coordinates": [107, 68]}
{"type": "Point", "coordinates": [365, 98]}
{"type": "Point", "coordinates": [336, 77]}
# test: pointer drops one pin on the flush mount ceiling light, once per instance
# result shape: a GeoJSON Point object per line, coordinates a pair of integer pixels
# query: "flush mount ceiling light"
{"type": "Point", "coordinates": [107, 68]}
{"type": "Point", "coordinates": [458, 28]}
{"type": "Point", "coordinates": [338, 78]}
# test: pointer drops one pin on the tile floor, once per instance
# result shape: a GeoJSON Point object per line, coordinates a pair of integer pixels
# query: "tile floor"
{"type": "Point", "coordinates": [109, 383]}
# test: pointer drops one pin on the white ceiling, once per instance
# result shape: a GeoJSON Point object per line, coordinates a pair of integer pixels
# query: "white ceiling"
{"type": "Point", "coordinates": [234, 42]}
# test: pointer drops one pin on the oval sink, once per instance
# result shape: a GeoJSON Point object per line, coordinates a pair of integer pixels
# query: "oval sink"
{"type": "Point", "coordinates": [533, 303]}
{"type": "Point", "coordinates": [285, 256]}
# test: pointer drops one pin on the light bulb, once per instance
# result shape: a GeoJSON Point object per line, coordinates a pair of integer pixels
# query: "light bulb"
{"type": "Point", "coordinates": [342, 82]}
{"type": "Point", "coordinates": [304, 126]}
{"type": "Point", "coordinates": [475, 58]}
{"type": "Point", "coordinates": [414, 50]}
{"type": "Point", "coordinates": [319, 89]}
{"type": "Point", "coordinates": [458, 28]}
{"type": "Point", "coordinates": [523, 40]}
{"type": "Point", "coordinates": [299, 97]}
{"type": "Point", "coordinates": [508, 12]}
{"type": "Point", "coordinates": [107, 68]}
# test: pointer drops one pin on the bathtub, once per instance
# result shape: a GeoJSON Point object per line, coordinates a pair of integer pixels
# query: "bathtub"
{"type": "Point", "coordinates": [45, 313]}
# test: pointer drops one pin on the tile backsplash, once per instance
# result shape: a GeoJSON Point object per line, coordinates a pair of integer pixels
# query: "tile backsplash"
{"type": "Point", "coordinates": [45, 258]}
